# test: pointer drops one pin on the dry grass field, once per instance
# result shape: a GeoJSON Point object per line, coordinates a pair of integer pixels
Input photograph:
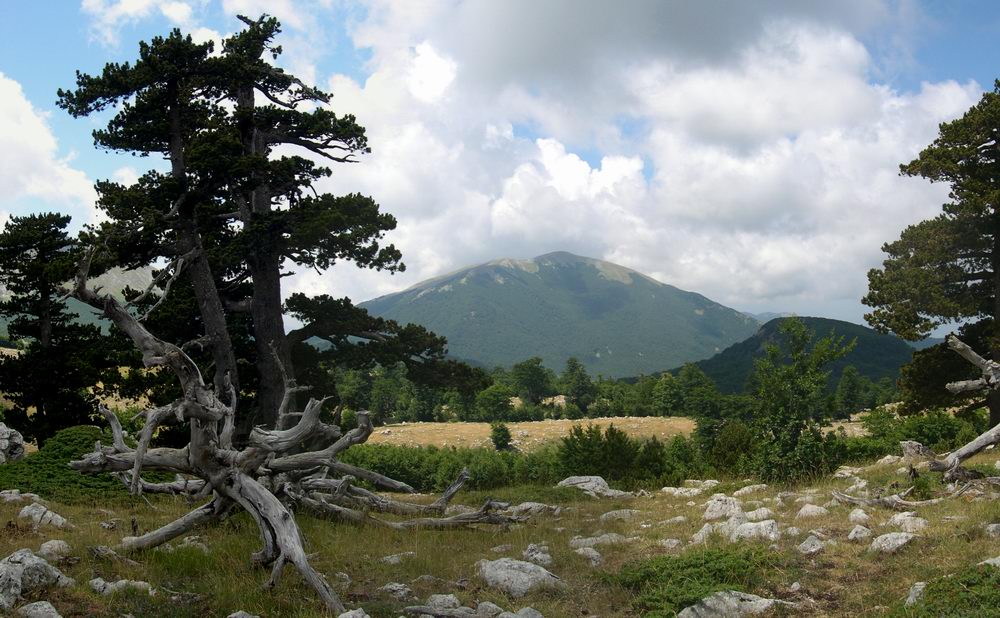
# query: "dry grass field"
{"type": "Point", "coordinates": [526, 436]}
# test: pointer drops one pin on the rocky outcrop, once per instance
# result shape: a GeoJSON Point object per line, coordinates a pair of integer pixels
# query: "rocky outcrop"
{"type": "Point", "coordinates": [517, 578]}
{"type": "Point", "coordinates": [594, 486]}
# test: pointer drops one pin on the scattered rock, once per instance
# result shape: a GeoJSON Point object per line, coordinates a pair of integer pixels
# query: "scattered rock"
{"type": "Point", "coordinates": [515, 577]}
{"type": "Point", "coordinates": [858, 516]}
{"type": "Point", "coordinates": [485, 609]}
{"type": "Point", "coordinates": [721, 507]}
{"type": "Point", "coordinates": [670, 544]}
{"type": "Point", "coordinates": [609, 538]}
{"type": "Point", "coordinates": [709, 484]}
{"type": "Point", "coordinates": [846, 472]}
{"type": "Point", "coordinates": [355, 613]}
{"type": "Point", "coordinates": [891, 542]}
{"type": "Point", "coordinates": [397, 590]}
{"type": "Point", "coordinates": [731, 604]}
{"type": "Point", "coordinates": [242, 614]}
{"type": "Point", "coordinates": [591, 554]}
{"type": "Point", "coordinates": [811, 510]}
{"type": "Point", "coordinates": [15, 495]}
{"type": "Point", "coordinates": [531, 509]}
{"type": "Point", "coordinates": [916, 591]}
{"type": "Point", "coordinates": [795, 587]}
{"type": "Point", "coordinates": [759, 531]}
{"type": "Point", "coordinates": [760, 514]}
{"type": "Point", "coordinates": [54, 551]}
{"type": "Point", "coordinates": [105, 587]}
{"type": "Point", "coordinates": [39, 516]}
{"type": "Point", "coordinates": [859, 533]}
{"type": "Point", "coordinates": [38, 609]}
{"type": "Point", "coordinates": [502, 549]}
{"type": "Point", "coordinates": [443, 601]}
{"type": "Point", "coordinates": [749, 489]}
{"type": "Point", "coordinates": [907, 522]}
{"type": "Point", "coordinates": [396, 558]}
{"type": "Point", "coordinates": [729, 526]}
{"type": "Point", "coordinates": [23, 572]}
{"type": "Point", "coordinates": [915, 451]}
{"type": "Point", "coordinates": [993, 530]}
{"type": "Point", "coordinates": [682, 492]}
{"type": "Point", "coordinates": [537, 553]}
{"type": "Point", "coordinates": [702, 535]}
{"type": "Point", "coordinates": [680, 519]}
{"type": "Point", "coordinates": [11, 444]}
{"type": "Point", "coordinates": [858, 486]}
{"type": "Point", "coordinates": [619, 515]}
{"type": "Point", "coordinates": [992, 561]}
{"type": "Point", "coordinates": [888, 460]}
{"type": "Point", "coordinates": [792, 531]}
{"type": "Point", "coordinates": [811, 546]}
{"type": "Point", "coordinates": [594, 486]}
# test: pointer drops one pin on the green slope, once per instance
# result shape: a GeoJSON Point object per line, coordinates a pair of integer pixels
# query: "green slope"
{"type": "Point", "coordinates": [874, 355]}
{"type": "Point", "coordinates": [616, 321]}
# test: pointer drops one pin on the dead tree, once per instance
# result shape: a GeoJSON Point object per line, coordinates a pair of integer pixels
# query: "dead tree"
{"type": "Point", "coordinates": [990, 381]}
{"type": "Point", "coordinates": [273, 473]}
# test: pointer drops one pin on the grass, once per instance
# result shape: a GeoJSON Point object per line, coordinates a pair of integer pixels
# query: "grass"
{"type": "Point", "coordinates": [528, 435]}
{"type": "Point", "coordinates": [635, 579]}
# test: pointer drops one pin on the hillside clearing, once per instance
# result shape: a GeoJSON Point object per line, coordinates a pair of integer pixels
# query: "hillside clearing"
{"type": "Point", "coordinates": [528, 435]}
{"type": "Point", "coordinates": [842, 579]}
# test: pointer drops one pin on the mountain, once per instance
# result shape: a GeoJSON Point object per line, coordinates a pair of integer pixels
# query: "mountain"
{"type": "Point", "coordinates": [874, 355]}
{"type": "Point", "coordinates": [617, 321]}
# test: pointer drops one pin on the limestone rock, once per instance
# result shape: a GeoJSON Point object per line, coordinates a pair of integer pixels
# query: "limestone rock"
{"type": "Point", "coordinates": [594, 486]}
{"type": "Point", "coordinates": [749, 489]}
{"type": "Point", "coordinates": [811, 510]}
{"type": "Point", "coordinates": [760, 531]}
{"type": "Point", "coordinates": [485, 609]}
{"type": "Point", "coordinates": [721, 507]}
{"type": "Point", "coordinates": [915, 451]}
{"type": "Point", "coordinates": [515, 577]}
{"type": "Point", "coordinates": [891, 542]}
{"type": "Point", "coordinates": [619, 515]}
{"type": "Point", "coordinates": [242, 614]}
{"type": "Point", "coordinates": [355, 613]}
{"type": "Point", "coordinates": [907, 522]}
{"type": "Point", "coordinates": [537, 553]}
{"type": "Point", "coordinates": [916, 592]}
{"type": "Point", "coordinates": [811, 546]}
{"type": "Point", "coordinates": [590, 554]}
{"type": "Point", "coordinates": [38, 609]}
{"type": "Point", "coordinates": [11, 444]}
{"type": "Point", "coordinates": [609, 538]}
{"type": "Point", "coordinates": [858, 516]}
{"type": "Point", "coordinates": [859, 533]}
{"type": "Point", "coordinates": [40, 516]}
{"type": "Point", "coordinates": [670, 544]}
{"type": "Point", "coordinates": [443, 601]}
{"type": "Point", "coordinates": [680, 519]}
{"type": "Point", "coordinates": [760, 514]}
{"type": "Point", "coordinates": [54, 551]}
{"type": "Point", "coordinates": [15, 495]}
{"type": "Point", "coordinates": [702, 535]}
{"type": "Point", "coordinates": [397, 590]}
{"type": "Point", "coordinates": [502, 549]}
{"type": "Point", "coordinates": [682, 492]}
{"type": "Point", "coordinates": [846, 472]}
{"type": "Point", "coordinates": [888, 460]}
{"type": "Point", "coordinates": [532, 509]}
{"type": "Point", "coordinates": [396, 558]}
{"type": "Point", "coordinates": [993, 530]}
{"type": "Point", "coordinates": [105, 587]}
{"type": "Point", "coordinates": [23, 572]}
{"type": "Point", "coordinates": [731, 604]}
{"type": "Point", "coordinates": [709, 484]}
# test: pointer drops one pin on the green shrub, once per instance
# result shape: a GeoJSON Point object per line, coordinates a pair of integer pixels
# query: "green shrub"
{"type": "Point", "coordinates": [47, 473]}
{"type": "Point", "coordinates": [665, 585]}
{"type": "Point", "coordinates": [732, 444]}
{"type": "Point", "coordinates": [974, 591]}
{"type": "Point", "coordinates": [500, 436]}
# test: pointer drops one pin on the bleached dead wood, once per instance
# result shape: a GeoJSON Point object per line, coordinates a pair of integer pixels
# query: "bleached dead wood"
{"type": "Point", "coordinates": [232, 479]}
{"type": "Point", "coordinates": [895, 501]}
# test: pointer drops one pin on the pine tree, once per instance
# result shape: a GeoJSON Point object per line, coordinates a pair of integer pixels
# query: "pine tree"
{"type": "Point", "coordinates": [49, 382]}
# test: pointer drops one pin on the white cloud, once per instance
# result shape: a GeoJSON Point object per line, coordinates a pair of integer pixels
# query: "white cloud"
{"type": "Point", "coordinates": [109, 16]}
{"type": "Point", "coordinates": [431, 74]}
{"type": "Point", "coordinates": [32, 172]}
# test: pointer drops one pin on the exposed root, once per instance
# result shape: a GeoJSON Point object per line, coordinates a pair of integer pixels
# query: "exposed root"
{"type": "Point", "coordinates": [895, 501]}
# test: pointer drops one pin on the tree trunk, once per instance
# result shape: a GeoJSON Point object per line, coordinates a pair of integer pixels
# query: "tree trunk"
{"type": "Point", "coordinates": [269, 334]}
{"type": "Point", "coordinates": [993, 403]}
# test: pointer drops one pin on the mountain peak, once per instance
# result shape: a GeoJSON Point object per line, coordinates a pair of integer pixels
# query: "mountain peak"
{"type": "Point", "coordinates": [617, 321]}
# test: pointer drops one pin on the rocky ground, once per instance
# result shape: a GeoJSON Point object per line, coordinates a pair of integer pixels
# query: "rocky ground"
{"type": "Point", "coordinates": [822, 557]}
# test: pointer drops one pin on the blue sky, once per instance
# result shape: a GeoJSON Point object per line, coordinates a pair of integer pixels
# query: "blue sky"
{"type": "Point", "coordinates": [747, 151]}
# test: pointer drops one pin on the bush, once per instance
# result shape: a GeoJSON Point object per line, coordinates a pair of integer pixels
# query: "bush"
{"type": "Point", "coordinates": [47, 473]}
{"type": "Point", "coordinates": [732, 444]}
{"type": "Point", "coordinates": [667, 584]}
{"type": "Point", "coordinates": [974, 591]}
{"type": "Point", "coordinates": [500, 436]}
{"type": "Point", "coordinates": [937, 430]}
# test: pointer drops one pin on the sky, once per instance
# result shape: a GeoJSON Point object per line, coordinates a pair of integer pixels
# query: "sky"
{"type": "Point", "coordinates": [748, 151]}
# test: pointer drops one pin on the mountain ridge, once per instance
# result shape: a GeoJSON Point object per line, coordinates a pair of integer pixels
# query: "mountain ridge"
{"type": "Point", "coordinates": [616, 320]}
